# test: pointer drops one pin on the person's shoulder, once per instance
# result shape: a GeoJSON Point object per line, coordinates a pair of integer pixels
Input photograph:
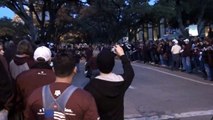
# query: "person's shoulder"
{"type": "Point", "coordinates": [36, 91]}
{"type": "Point", "coordinates": [34, 71]}
{"type": "Point", "coordinates": [25, 75]}
{"type": "Point", "coordinates": [83, 93]}
{"type": "Point", "coordinates": [35, 95]}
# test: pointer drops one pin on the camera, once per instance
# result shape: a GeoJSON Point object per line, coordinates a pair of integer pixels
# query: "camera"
{"type": "Point", "coordinates": [113, 50]}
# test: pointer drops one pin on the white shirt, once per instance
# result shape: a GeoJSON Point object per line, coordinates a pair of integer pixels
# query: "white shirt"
{"type": "Point", "coordinates": [176, 49]}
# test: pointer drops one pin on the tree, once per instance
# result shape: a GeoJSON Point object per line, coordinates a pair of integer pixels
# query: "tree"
{"type": "Point", "coordinates": [110, 20]}
{"type": "Point", "coordinates": [18, 8]}
{"type": "Point", "coordinates": [186, 12]}
{"type": "Point", "coordinates": [39, 16]}
{"type": "Point", "coordinates": [10, 29]}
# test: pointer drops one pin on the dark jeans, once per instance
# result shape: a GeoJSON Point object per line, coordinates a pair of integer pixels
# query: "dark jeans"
{"type": "Point", "coordinates": [175, 61]}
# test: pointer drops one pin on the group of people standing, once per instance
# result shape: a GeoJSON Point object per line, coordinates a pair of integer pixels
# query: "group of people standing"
{"type": "Point", "coordinates": [35, 85]}
{"type": "Point", "coordinates": [187, 55]}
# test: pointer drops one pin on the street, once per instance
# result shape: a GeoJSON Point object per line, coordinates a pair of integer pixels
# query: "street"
{"type": "Point", "coordinates": [161, 94]}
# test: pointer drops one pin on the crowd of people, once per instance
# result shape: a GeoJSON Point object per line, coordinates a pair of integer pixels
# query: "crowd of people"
{"type": "Point", "coordinates": [193, 55]}
{"type": "Point", "coordinates": [190, 55]}
{"type": "Point", "coordinates": [36, 82]}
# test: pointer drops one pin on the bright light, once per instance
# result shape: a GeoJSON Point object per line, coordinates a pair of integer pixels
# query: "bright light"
{"type": "Point", "coordinates": [83, 0]}
{"type": "Point", "coordinates": [193, 30]}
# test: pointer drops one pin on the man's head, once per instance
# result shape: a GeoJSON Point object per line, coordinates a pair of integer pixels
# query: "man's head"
{"type": "Point", "coordinates": [175, 41]}
{"type": "Point", "coordinates": [105, 61]}
{"type": "Point", "coordinates": [42, 54]}
{"type": "Point", "coordinates": [24, 47]}
{"type": "Point", "coordinates": [64, 65]}
{"type": "Point", "coordinates": [186, 41]}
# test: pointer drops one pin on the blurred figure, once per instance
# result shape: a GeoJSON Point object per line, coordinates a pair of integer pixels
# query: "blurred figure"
{"type": "Point", "coordinates": [3, 60]}
{"type": "Point", "coordinates": [6, 89]}
{"type": "Point", "coordinates": [208, 59]}
{"type": "Point", "coordinates": [88, 52]}
{"type": "Point", "coordinates": [23, 59]}
{"type": "Point", "coordinates": [186, 56]}
{"type": "Point", "coordinates": [10, 51]}
{"type": "Point", "coordinates": [176, 50]}
{"type": "Point", "coordinates": [91, 68]}
{"type": "Point", "coordinates": [109, 88]}
{"type": "Point", "coordinates": [1, 48]}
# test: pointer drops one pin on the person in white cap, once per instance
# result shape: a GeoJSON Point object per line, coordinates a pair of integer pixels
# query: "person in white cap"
{"type": "Point", "coordinates": [175, 50]}
{"type": "Point", "coordinates": [186, 56]}
{"type": "Point", "coordinates": [40, 74]}
{"type": "Point", "coordinates": [61, 100]}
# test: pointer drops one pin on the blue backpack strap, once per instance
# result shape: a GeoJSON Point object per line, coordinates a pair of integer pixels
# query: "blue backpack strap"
{"type": "Point", "coordinates": [48, 101]}
{"type": "Point", "coordinates": [61, 101]}
{"type": "Point", "coordinates": [64, 97]}
{"type": "Point", "coordinates": [47, 97]}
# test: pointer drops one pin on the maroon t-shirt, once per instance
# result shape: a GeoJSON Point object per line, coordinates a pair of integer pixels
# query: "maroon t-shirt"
{"type": "Point", "coordinates": [80, 106]}
{"type": "Point", "coordinates": [28, 81]}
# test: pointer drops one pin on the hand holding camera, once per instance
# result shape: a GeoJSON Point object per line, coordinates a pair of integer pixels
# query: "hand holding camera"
{"type": "Point", "coordinates": [118, 50]}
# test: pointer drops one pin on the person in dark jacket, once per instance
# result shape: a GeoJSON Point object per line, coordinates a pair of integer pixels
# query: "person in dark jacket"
{"type": "Point", "coordinates": [40, 74]}
{"type": "Point", "coordinates": [10, 51]}
{"type": "Point", "coordinates": [3, 59]}
{"type": "Point", "coordinates": [207, 56]}
{"type": "Point", "coordinates": [186, 56]}
{"type": "Point", "coordinates": [91, 68]}
{"type": "Point", "coordinates": [108, 88]}
{"type": "Point", "coordinates": [6, 88]}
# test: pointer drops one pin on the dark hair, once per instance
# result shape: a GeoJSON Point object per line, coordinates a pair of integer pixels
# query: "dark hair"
{"type": "Point", "coordinates": [5, 86]}
{"type": "Point", "coordinates": [63, 64]}
{"type": "Point", "coordinates": [1, 44]}
{"type": "Point", "coordinates": [24, 47]}
{"type": "Point", "coordinates": [105, 61]}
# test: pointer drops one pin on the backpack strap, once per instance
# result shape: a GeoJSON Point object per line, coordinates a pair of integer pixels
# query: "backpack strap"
{"type": "Point", "coordinates": [61, 101]}
{"type": "Point", "coordinates": [47, 97]}
{"type": "Point", "coordinates": [47, 100]}
{"type": "Point", "coordinates": [64, 97]}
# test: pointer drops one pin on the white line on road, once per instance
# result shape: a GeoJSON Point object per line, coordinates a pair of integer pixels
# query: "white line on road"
{"type": "Point", "coordinates": [189, 79]}
{"type": "Point", "coordinates": [131, 87]}
{"type": "Point", "coordinates": [173, 116]}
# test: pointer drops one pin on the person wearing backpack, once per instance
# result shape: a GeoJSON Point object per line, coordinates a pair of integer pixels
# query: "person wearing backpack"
{"type": "Point", "coordinates": [61, 100]}
{"type": "Point", "coordinates": [40, 74]}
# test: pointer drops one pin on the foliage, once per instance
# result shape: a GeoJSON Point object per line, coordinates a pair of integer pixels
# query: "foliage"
{"type": "Point", "coordinates": [11, 28]}
{"type": "Point", "coordinates": [110, 20]}
{"type": "Point", "coordinates": [105, 20]}
{"type": "Point", "coordinates": [39, 16]}
{"type": "Point", "coordinates": [181, 13]}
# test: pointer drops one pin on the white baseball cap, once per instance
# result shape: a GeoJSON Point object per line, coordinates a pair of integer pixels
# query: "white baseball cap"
{"type": "Point", "coordinates": [186, 40]}
{"type": "Point", "coordinates": [42, 52]}
{"type": "Point", "coordinates": [175, 41]}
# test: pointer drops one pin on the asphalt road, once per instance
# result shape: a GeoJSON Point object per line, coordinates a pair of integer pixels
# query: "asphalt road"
{"type": "Point", "coordinates": [158, 93]}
